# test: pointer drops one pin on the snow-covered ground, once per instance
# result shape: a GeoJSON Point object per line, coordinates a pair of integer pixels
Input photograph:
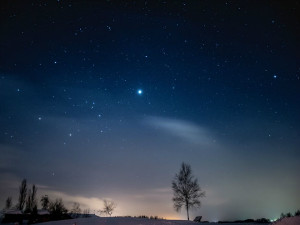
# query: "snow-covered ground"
{"type": "Point", "coordinates": [288, 221]}
{"type": "Point", "coordinates": [117, 221]}
{"type": "Point", "coordinates": [141, 221]}
{"type": "Point", "coordinates": [129, 221]}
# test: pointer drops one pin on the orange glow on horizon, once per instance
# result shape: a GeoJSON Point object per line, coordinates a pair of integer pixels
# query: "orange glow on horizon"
{"type": "Point", "coordinates": [171, 217]}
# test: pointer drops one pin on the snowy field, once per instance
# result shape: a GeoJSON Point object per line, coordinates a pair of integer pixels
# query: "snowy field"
{"type": "Point", "coordinates": [128, 221]}
{"type": "Point", "coordinates": [295, 220]}
{"type": "Point", "coordinates": [117, 221]}
{"type": "Point", "coordinates": [137, 221]}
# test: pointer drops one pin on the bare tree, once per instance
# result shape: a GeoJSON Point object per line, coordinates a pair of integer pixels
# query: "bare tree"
{"type": "Point", "coordinates": [28, 203]}
{"type": "Point", "coordinates": [33, 197]}
{"type": "Point", "coordinates": [45, 202]}
{"type": "Point", "coordinates": [186, 189]}
{"type": "Point", "coordinates": [76, 209]}
{"type": "Point", "coordinates": [22, 195]}
{"type": "Point", "coordinates": [57, 208]}
{"type": "Point", "coordinates": [31, 202]}
{"type": "Point", "coordinates": [8, 203]}
{"type": "Point", "coordinates": [109, 207]}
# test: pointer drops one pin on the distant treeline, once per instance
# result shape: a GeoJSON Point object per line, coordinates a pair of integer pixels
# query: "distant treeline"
{"type": "Point", "coordinates": [26, 207]}
{"type": "Point", "coordinates": [283, 215]}
{"type": "Point", "coordinates": [146, 217]}
{"type": "Point", "coordinates": [263, 220]}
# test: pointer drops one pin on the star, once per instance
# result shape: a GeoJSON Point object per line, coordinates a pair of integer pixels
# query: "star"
{"type": "Point", "coordinates": [274, 76]}
{"type": "Point", "coordinates": [139, 91]}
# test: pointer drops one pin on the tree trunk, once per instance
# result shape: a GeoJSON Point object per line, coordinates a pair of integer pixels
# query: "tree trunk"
{"type": "Point", "coordinates": [187, 211]}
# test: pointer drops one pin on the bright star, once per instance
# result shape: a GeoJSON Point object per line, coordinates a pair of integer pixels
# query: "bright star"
{"type": "Point", "coordinates": [275, 76]}
{"type": "Point", "coordinates": [140, 92]}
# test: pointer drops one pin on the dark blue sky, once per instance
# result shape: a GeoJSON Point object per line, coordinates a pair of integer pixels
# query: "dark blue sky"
{"type": "Point", "coordinates": [220, 90]}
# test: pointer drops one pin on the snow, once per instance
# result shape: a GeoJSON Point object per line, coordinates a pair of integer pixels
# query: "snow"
{"type": "Point", "coordinates": [12, 211]}
{"type": "Point", "coordinates": [295, 220]}
{"type": "Point", "coordinates": [117, 221]}
{"type": "Point", "coordinates": [141, 221]}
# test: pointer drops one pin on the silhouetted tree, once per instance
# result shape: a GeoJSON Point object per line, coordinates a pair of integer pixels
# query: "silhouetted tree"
{"type": "Point", "coordinates": [282, 215]}
{"type": "Point", "coordinates": [45, 202]}
{"type": "Point", "coordinates": [288, 214]}
{"type": "Point", "coordinates": [22, 195]}
{"type": "Point", "coordinates": [8, 203]}
{"type": "Point", "coordinates": [109, 207]}
{"type": "Point", "coordinates": [186, 189]}
{"type": "Point", "coordinates": [262, 220]}
{"type": "Point", "coordinates": [31, 202]}
{"type": "Point", "coordinates": [76, 209]}
{"type": "Point", "coordinates": [297, 213]}
{"type": "Point", "coordinates": [33, 197]}
{"type": "Point", "coordinates": [28, 203]}
{"type": "Point", "coordinates": [57, 208]}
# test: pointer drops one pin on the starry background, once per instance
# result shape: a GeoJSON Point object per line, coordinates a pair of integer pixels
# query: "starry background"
{"type": "Point", "coordinates": [219, 89]}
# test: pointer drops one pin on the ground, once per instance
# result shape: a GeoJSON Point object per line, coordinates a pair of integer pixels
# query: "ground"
{"type": "Point", "coordinates": [124, 221]}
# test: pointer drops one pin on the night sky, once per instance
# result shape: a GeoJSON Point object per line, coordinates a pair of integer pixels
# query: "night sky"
{"type": "Point", "coordinates": [105, 100]}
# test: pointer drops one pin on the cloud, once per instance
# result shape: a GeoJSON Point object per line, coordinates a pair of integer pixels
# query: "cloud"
{"type": "Point", "coordinates": [156, 193]}
{"type": "Point", "coordinates": [127, 204]}
{"type": "Point", "coordinates": [187, 131]}
{"type": "Point", "coordinates": [93, 202]}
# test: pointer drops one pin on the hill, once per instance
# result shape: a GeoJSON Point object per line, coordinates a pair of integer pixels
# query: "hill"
{"type": "Point", "coordinates": [117, 221]}
{"type": "Point", "coordinates": [295, 220]}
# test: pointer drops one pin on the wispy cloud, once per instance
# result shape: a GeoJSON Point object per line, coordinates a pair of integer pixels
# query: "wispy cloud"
{"type": "Point", "coordinates": [92, 203]}
{"type": "Point", "coordinates": [156, 193]}
{"type": "Point", "coordinates": [185, 130]}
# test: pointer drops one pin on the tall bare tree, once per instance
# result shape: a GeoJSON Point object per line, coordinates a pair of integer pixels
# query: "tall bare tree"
{"type": "Point", "coordinates": [31, 202]}
{"type": "Point", "coordinates": [22, 195]}
{"type": "Point", "coordinates": [33, 197]}
{"type": "Point", "coordinates": [28, 203]}
{"type": "Point", "coordinates": [109, 207]}
{"type": "Point", "coordinates": [186, 189]}
{"type": "Point", "coordinates": [8, 203]}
